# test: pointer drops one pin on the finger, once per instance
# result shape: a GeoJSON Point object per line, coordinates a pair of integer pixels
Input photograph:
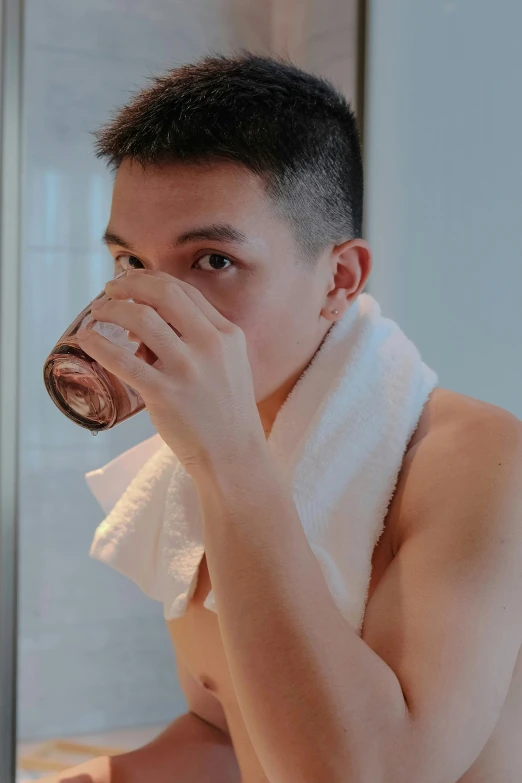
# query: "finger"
{"type": "Point", "coordinates": [178, 303]}
{"type": "Point", "coordinates": [148, 326]}
{"type": "Point", "coordinates": [136, 373]}
{"type": "Point", "coordinates": [214, 316]}
{"type": "Point", "coordinates": [169, 301]}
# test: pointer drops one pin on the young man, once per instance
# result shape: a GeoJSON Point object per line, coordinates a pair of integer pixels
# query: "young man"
{"type": "Point", "coordinates": [242, 178]}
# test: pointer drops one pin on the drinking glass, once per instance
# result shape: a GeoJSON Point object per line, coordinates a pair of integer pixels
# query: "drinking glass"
{"type": "Point", "coordinates": [81, 388]}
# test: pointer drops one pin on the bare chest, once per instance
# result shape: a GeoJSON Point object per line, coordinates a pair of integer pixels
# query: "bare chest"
{"type": "Point", "coordinates": [197, 639]}
{"type": "Point", "coordinates": [196, 636]}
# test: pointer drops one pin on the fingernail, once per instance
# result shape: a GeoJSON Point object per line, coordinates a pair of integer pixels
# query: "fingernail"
{"type": "Point", "coordinates": [120, 275]}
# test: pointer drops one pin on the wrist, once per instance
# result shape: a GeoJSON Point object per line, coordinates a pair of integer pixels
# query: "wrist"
{"type": "Point", "coordinates": [237, 465]}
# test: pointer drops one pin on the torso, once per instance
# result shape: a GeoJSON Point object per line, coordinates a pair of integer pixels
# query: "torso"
{"type": "Point", "coordinates": [197, 641]}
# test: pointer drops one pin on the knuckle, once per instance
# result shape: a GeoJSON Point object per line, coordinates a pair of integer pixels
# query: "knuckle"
{"type": "Point", "coordinates": [144, 380]}
{"type": "Point", "coordinates": [215, 341]}
{"type": "Point", "coordinates": [235, 331]}
{"type": "Point", "coordinates": [213, 337]}
{"type": "Point", "coordinates": [235, 334]}
{"type": "Point", "coordinates": [137, 370]}
{"type": "Point", "coordinates": [145, 315]}
{"type": "Point", "coordinates": [186, 286]}
{"type": "Point", "coordinates": [186, 371]}
{"type": "Point", "coordinates": [165, 298]}
{"type": "Point", "coordinates": [136, 374]}
{"type": "Point", "coordinates": [133, 368]}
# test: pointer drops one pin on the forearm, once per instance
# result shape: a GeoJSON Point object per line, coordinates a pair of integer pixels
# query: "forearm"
{"type": "Point", "coordinates": [317, 701]}
{"type": "Point", "coordinates": [187, 751]}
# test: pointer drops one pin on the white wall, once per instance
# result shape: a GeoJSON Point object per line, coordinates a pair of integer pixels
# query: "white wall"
{"type": "Point", "coordinates": [444, 186]}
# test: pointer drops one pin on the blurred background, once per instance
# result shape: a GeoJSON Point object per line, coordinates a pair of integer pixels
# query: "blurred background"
{"type": "Point", "coordinates": [436, 90]}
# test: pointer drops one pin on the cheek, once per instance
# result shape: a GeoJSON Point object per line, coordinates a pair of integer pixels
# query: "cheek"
{"type": "Point", "coordinates": [272, 341]}
{"type": "Point", "coordinates": [260, 317]}
{"type": "Point", "coordinates": [277, 321]}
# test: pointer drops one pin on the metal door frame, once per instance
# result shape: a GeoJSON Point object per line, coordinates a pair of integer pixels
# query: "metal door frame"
{"type": "Point", "coordinates": [11, 32]}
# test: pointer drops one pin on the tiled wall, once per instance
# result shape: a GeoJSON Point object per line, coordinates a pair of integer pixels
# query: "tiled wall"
{"type": "Point", "coordinates": [94, 652]}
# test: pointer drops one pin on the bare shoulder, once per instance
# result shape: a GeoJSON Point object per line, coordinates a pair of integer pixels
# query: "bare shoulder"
{"type": "Point", "coordinates": [461, 448]}
{"type": "Point", "coordinates": [446, 408]}
{"type": "Point", "coordinates": [445, 614]}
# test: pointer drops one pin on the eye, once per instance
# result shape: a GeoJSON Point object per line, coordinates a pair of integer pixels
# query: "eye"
{"type": "Point", "coordinates": [215, 261]}
{"type": "Point", "coordinates": [128, 264]}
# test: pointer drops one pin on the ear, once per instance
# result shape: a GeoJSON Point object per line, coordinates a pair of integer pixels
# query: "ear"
{"type": "Point", "coordinates": [351, 264]}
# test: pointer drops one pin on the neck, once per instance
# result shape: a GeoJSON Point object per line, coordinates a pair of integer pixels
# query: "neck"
{"type": "Point", "coordinates": [270, 406]}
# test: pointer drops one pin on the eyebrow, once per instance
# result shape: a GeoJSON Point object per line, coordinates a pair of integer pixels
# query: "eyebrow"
{"type": "Point", "coordinates": [216, 232]}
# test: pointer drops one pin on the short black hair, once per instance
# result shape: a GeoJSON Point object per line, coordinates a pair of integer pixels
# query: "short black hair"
{"type": "Point", "coordinates": [294, 130]}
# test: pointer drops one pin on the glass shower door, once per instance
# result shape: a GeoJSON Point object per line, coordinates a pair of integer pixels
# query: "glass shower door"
{"type": "Point", "coordinates": [93, 652]}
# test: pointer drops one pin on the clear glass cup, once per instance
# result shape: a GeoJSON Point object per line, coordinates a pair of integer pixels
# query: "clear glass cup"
{"type": "Point", "coordinates": [81, 388]}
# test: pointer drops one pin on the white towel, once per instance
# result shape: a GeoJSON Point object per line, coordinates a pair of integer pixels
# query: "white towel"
{"type": "Point", "coordinates": [339, 440]}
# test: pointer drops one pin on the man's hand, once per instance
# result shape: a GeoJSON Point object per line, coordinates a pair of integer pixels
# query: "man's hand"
{"type": "Point", "coordinates": [199, 392]}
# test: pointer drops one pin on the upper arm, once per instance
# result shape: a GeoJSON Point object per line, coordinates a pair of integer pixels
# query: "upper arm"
{"type": "Point", "coordinates": [447, 614]}
{"type": "Point", "coordinates": [201, 701]}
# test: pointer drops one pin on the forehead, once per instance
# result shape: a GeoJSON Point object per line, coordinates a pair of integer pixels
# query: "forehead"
{"type": "Point", "coordinates": [219, 191]}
